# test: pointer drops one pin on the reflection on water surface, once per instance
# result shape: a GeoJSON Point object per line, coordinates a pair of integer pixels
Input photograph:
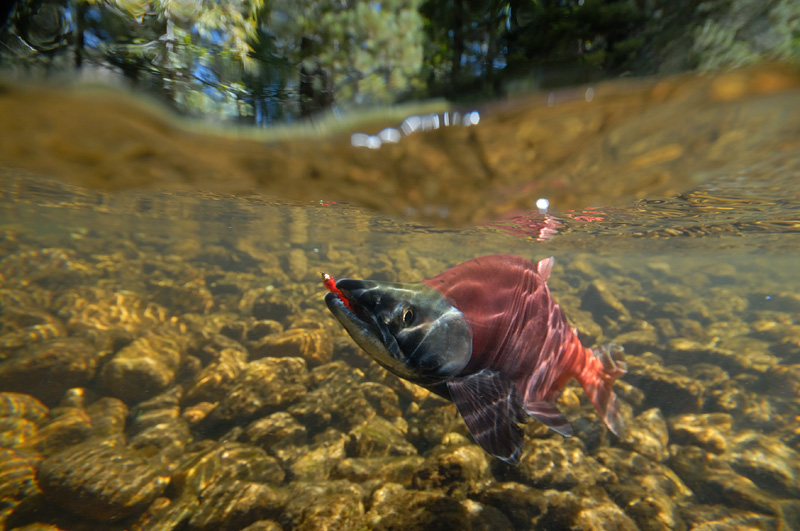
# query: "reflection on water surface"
{"type": "Point", "coordinates": [168, 362]}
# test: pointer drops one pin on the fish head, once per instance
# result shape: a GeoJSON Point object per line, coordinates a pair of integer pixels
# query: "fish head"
{"type": "Point", "coordinates": [409, 328]}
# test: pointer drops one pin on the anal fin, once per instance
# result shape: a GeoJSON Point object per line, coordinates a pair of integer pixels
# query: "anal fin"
{"type": "Point", "coordinates": [490, 405]}
{"type": "Point", "coordinates": [548, 414]}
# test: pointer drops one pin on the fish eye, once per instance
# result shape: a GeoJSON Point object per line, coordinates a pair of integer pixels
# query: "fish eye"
{"type": "Point", "coordinates": [408, 316]}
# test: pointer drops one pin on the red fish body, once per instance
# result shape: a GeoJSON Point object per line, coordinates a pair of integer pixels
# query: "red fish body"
{"type": "Point", "coordinates": [519, 330]}
{"type": "Point", "coordinates": [488, 334]}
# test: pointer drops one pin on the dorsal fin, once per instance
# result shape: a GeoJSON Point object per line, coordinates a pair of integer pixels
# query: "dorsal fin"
{"type": "Point", "coordinates": [545, 266]}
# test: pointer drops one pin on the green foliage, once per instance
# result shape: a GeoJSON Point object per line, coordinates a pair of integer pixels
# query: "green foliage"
{"type": "Point", "coordinates": [740, 32]}
{"type": "Point", "coordinates": [277, 60]}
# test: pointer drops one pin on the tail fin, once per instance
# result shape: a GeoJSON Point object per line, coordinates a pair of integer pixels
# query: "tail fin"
{"type": "Point", "coordinates": [598, 383]}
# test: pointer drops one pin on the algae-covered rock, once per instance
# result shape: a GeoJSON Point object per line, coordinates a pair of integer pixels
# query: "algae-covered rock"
{"type": "Point", "coordinates": [315, 345]}
{"type": "Point", "coordinates": [709, 431]}
{"type": "Point", "coordinates": [144, 368]}
{"type": "Point", "coordinates": [377, 437]}
{"type": "Point", "coordinates": [648, 435]}
{"type": "Point", "coordinates": [560, 463]}
{"type": "Point", "coordinates": [232, 505]}
{"type": "Point", "coordinates": [279, 434]}
{"type": "Point", "coordinates": [392, 469]}
{"type": "Point", "coordinates": [394, 507]}
{"type": "Point", "coordinates": [586, 508]}
{"type": "Point", "coordinates": [454, 468]}
{"type": "Point", "coordinates": [48, 369]}
{"type": "Point", "coordinates": [100, 480]}
{"type": "Point", "coordinates": [329, 505]}
{"type": "Point", "coordinates": [715, 482]}
{"type": "Point", "coordinates": [664, 388]}
{"type": "Point", "coordinates": [767, 462]}
{"type": "Point", "coordinates": [265, 386]}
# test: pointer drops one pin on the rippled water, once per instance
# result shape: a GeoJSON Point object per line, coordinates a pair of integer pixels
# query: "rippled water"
{"type": "Point", "coordinates": [184, 335]}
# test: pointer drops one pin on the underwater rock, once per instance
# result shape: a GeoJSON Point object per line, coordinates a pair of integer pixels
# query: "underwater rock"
{"type": "Point", "coordinates": [264, 525]}
{"type": "Point", "coordinates": [722, 518]}
{"type": "Point", "coordinates": [648, 435]}
{"type": "Point", "coordinates": [485, 517]}
{"type": "Point", "coordinates": [93, 309]}
{"type": "Point", "coordinates": [68, 426]}
{"type": "Point", "coordinates": [600, 301]}
{"type": "Point", "coordinates": [144, 368]}
{"type": "Point", "coordinates": [267, 304]}
{"type": "Point", "coordinates": [650, 511]}
{"type": "Point", "coordinates": [715, 482]}
{"type": "Point", "coordinates": [164, 442]}
{"type": "Point", "coordinates": [758, 359]}
{"type": "Point", "coordinates": [18, 474]}
{"type": "Point", "coordinates": [767, 462]}
{"type": "Point", "coordinates": [279, 434]}
{"type": "Point", "coordinates": [259, 329]}
{"type": "Point", "coordinates": [453, 468]}
{"type": "Point", "coordinates": [265, 386]}
{"type": "Point", "coordinates": [649, 492]}
{"type": "Point", "coordinates": [182, 297]}
{"type": "Point", "coordinates": [394, 507]}
{"type": "Point", "coordinates": [220, 485]}
{"type": "Point", "coordinates": [787, 376]}
{"type": "Point", "coordinates": [390, 469]}
{"type": "Point", "coordinates": [377, 437]}
{"type": "Point", "coordinates": [163, 408]}
{"type": "Point", "coordinates": [639, 340]}
{"type": "Point", "coordinates": [427, 426]}
{"type": "Point", "coordinates": [319, 459]}
{"type": "Point", "coordinates": [559, 463]}
{"type": "Point", "coordinates": [27, 325]}
{"type": "Point", "coordinates": [709, 431]}
{"type": "Point", "coordinates": [47, 369]}
{"type": "Point", "coordinates": [520, 503]}
{"type": "Point", "coordinates": [664, 388]}
{"type": "Point", "coordinates": [214, 380]}
{"type": "Point", "coordinates": [16, 431]}
{"type": "Point", "coordinates": [584, 508]}
{"type": "Point", "coordinates": [23, 406]}
{"type": "Point", "coordinates": [315, 345]}
{"type": "Point", "coordinates": [232, 505]}
{"type": "Point", "coordinates": [382, 398]}
{"type": "Point", "coordinates": [107, 416]}
{"type": "Point", "coordinates": [335, 399]}
{"type": "Point", "coordinates": [330, 505]}
{"type": "Point", "coordinates": [100, 481]}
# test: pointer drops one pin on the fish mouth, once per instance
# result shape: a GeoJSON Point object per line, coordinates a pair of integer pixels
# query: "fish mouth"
{"type": "Point", "coordinates": [351, 309]}
{"type": "Point", "coordinates": [354, 308]}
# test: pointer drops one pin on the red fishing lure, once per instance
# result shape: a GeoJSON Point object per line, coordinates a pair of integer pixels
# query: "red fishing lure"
{"type": "Point", "coordinates": [330, 284]}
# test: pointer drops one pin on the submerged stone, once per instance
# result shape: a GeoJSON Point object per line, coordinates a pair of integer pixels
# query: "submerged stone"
{"type": "Point", "coordinates": [100, 480]}
{"type": "Point", "coordinates": [48, 369]}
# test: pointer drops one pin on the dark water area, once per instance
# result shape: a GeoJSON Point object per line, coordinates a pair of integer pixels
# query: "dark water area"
{"type": "Point", "coordinates": [167, 361]}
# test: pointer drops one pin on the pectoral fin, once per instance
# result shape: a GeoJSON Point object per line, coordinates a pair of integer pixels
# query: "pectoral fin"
{"type": "Point", "coordinates": [491, 408]}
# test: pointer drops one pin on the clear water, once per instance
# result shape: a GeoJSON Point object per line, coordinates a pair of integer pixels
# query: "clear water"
{"type": "Point", "coordinates": [703, 291]}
